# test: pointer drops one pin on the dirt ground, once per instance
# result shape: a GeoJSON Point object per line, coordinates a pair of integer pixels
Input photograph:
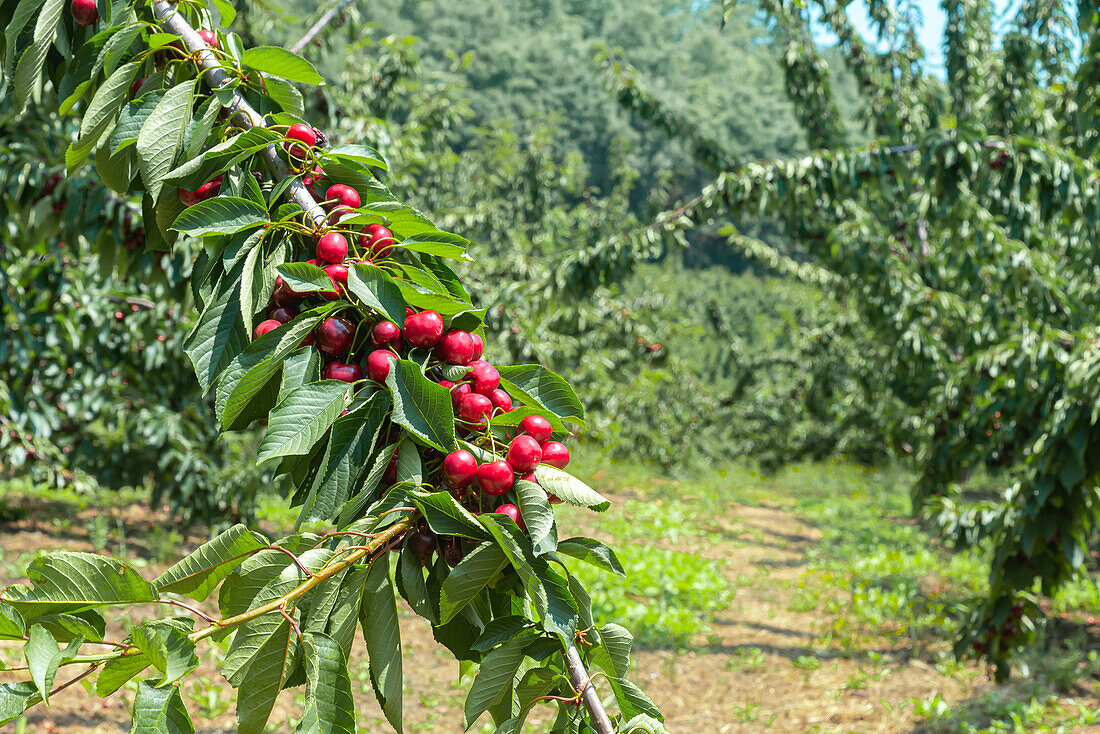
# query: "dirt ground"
{"type": "Point", "coordinates": [763, 668]}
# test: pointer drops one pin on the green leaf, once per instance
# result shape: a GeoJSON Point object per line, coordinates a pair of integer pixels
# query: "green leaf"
{"type": "Point", "coordinates": [426, 299]}
{"type": "Point", "coordinates": [440, 244]}
{"type": "Point", "coordinates": [375, 288]}
{"type": "Point", "coordinates": [281, 63]}
{"type": "Point", "coordinates": [101, 113]}
{"type": "Point", "coordinates": [14, 28]}
{"type": "Point", "coordinates": [536, 682]}
{"type": "Point", "coordinates": [199, 573]}
{"type": "Point", "coordinates": [378, 616]}
{"type": "Point", "coordinates": [360, 153]}
{"type": "Point", "coordinates": [220, 158]}
{"type": "Point", "coordinates": [118, 672]}
{"type": "Point", "coordinates": [466, 580]}
{"type": "Point", "coordinates": [592, 551]}
{"type": "Point", "coordinates": [15, 698]}
{"type": "Point", "coordinates": [613, 653]}
{"type": "Point", "coordinates": [534, 507]}
{"type": "Point", "coordinates": [87, 625]}
{"type": "Point", "coordinates": [345, 615]}
{"type": "Point", "coordinates": [329, 708]}
{"type": "Point", "coordinates": [495, 679]}
{"type": "Point", "coordinates": [219, 335]}
{"type": "Point", "coordinates": [130, 120]}
{"type": "Point", "coordinates": [29, 69]}
{"type": "Point", "coordinates": [169, 650]}
{"type": "Point", "coordinates": [445, 516]}
{"type": "Point", "coordinates": [43, 656]}
{"type": "Point", "coordinates": [302, 418]}
{"type": "Point", "coordinates": [420, 406]}
{"type": "Point", "coordinates": [537, 386]}
{"type": "Point", "coordinates": [351, 441]}
{"type": "Point", "coordinates": [354, 507]}
{"type": "Point", "coordinates": [160, 711]}
{"type": "Point", "coordinates": [305, 278]}
{"type": "Point", "coordinates": [12, 626]}
{"type": "Point", "coordinates": [501, 629]}
{"type": "Point", "coordinates": [643, 724]}
{"type": "Point", "coordinates": [220, 215]}
{"type": "Point", "coordinates": [161, 136]}
{"type": "Point", "coordinates": [632, 701]}
{"type": "Point", "coordinates": [286, 95]}
{"type": "Point", "coordinates": [411, 584]}
{"type": "Point", "coordinates": [569, 488]}
{"type": "Point", "coordinates": [65, 581]}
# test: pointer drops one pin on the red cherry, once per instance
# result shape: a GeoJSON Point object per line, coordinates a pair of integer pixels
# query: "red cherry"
{"type": "Point", "coordinates": [485, 377]}
{"type": "Point", "coordinates": [343, 372]}
{"type": "Point", "coordinates": [474, 408]}
{"type": "Point", "coordinates": [524, 453]}
{"type": "Point", "coordinates": [385, 333]}
{"type": "Point", "coordinates": [479, 346]}
{"type": "Point", "coordinates": [513, 512]}
{"type": "Point", "coordinates": [308, 340]}
{"type": "Point", "coordinates": [334, 335]}
{"type": "Point", "coordinates": [390, 475]}
{"type": "Point", "coordinates": [85, 12]}
{"type": "Point", "coordinates": [424, 329]}
{"type": "Point", "coordinates": [209, 38]}
{"type": "Point", "coordinates": [265, 326]}
{"type": "Point", "coordinates": [409, 312]}
{"type": "Point", "coordinates": [303, 134]}
{"type": "Point", "coordinates": [422, 543]}
{"type": "Point", "coordinates": [332, 247]}
{"type": "Point", "coordinates": [446, 383]}
{"type": "Point", "coordinates": [337, 273]}
{"type": "Point", "coordinates": [208, 190]}
{"type": "Point", "coordinates": [282, 314]}
{"type": "Point", "coordinates": [459, 469]}
{"type": "Point", "coordinates": [495, 477]}
{"type": "Point", "coordinates": [537, 428]}
{"type": "Point", "coordinates": [135, 87]}
{"type": "Point", "coordinates": [555, 454]}
{"type": "Point", "coordinates": [456, 347]}
{"type": "Point", "coordinates": [378, 364]}
{"type": "Point", "coordinates": [283, 295]}
{"type": "Point", "coordinates": [501, 400]}
{"type": "Point", "coordinates": [377, 240]}
{"type": "Point", "coordinates": [458, 391]}
{"type": "Point", "coordinates": [313, 179]}
{"type": "Point", "coordinates": [343, 195]}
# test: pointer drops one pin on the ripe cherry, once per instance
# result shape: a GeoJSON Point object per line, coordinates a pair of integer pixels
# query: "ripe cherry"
{"type": "Point", "coordinates": [453, 553]}
{"type": "Point", "coordinates": [343, 195]}
{"type": "Point", "coordinates": [479, 346]}
{"type": "Point", "coordinates": [422, 543]}
{"type": "Point", "coordinates": [524, 453]}
{"type": "Point", "coordinates": [456, 347]}
{"type": "Point", "coordinates": [378, 364]}
{"type": "Point", "coordinates": [334, 335]}
{"type": "Point", "coordinates": [474, 408]}
{"type": "Point", "coordinates": [85, 12]}
{"type": "Point", "coordinates": [135, 87]}
{"type": "Point", "coordinates": [459, 469]}
{"type": "Point", "coordinates": [303, 134]}
{"type": "Point", "coordinates": [210, 38]}
{"type": "Point", "coordinates": [554, 453]}
{"type": "Point", "coordinates": [377, 240]}
{"type": "Point", "coordinates": [265, 326]}
{"type": "Point", "coordinates": [513, 512]}
{"type": "Point", "coordinates": [495, 477]}
{"type": "Point", "coordinates": [208, 190]}
{"type": "Point", "coordinates": [283, 295]}
{"type": "Point", "coordinates": [390, 475]}
{"type": "Point", "coordinates": [337, 273]}
{"type": "Point", "coordinates": [485, 377]}
{"type": "Point", "coordinates": [343, 372]}
{"type": "Point", "coordinates": [458, 391]}
{"type": "Point", "coordinates": [332, 247]}
{"type": "Point", "coordinates": [313, 180]}
{"type": "Point", "coordinates": [385, 333]}
{"type": "Point", "coordinates": [424, 329]}
{"type": "Point", "coordinates": [537, 428]}
{"type": "Point", "coordinates": [501, 400]}
{"type": "Point", "coordinates": [282, 314]}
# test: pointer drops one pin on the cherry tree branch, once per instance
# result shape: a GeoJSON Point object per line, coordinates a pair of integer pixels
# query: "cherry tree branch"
{"type": "Point", "coordinates": [317, 27]}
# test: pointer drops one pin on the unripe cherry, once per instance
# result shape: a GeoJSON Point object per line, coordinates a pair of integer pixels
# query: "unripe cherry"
{"type": "Point", "coordinates": [459, 469]}
{"type": "Point", "coordinates": [343, 195]}
{"type": "Point", "coordinates": [484, 375]}
{"type": "Point", "coordinates": [332, 247]}
{"type": "Point", "coordinates": [424, 329]}
{"type": "Point", "coordinates": [378, 364]}
{"type": "Point", "coordinates": [334, 335]}
{"type": "Point", "coordinates": [537, 428]}
{"type": "Point", "coordinates": [385, 333]}
{"type": "Point", "coordinates": [501, 400]}
{"type": "Point", "coordinates": [342, 372]}
{"type": "Point", "coordinates": [495, 477]}
{"type": "Point", "coordinates": [456, 347]}
{"type": "Point", "coordinates": [265, 326]}
{"type": "Point", "coordinates": [474, 408]}
{"type": "Point", "coordinates": [377, 240]}
{"type": "Point", "coordinates": [85, 12]}
{"type": "Point", "coordinates": [524, 453]}
{"type": "Point", "coordinates": [479, 346]}
{"type": "Point", "coordinates": [513, 512]}
{"type": "Point", "coordinates": [555, 453]}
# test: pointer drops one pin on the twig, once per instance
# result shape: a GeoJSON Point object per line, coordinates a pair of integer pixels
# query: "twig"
{"type": "Point", "coordinates": [91, 669]}
{"type": "Point", "coordinates": [319, 25]}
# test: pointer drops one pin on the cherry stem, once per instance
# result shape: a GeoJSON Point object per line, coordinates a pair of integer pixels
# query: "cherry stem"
{"type": "Point", "coordinates": [197, 612]}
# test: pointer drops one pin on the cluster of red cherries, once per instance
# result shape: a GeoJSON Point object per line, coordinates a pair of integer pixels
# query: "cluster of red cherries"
{"type": "Point", "coordinates": [476, 397]}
